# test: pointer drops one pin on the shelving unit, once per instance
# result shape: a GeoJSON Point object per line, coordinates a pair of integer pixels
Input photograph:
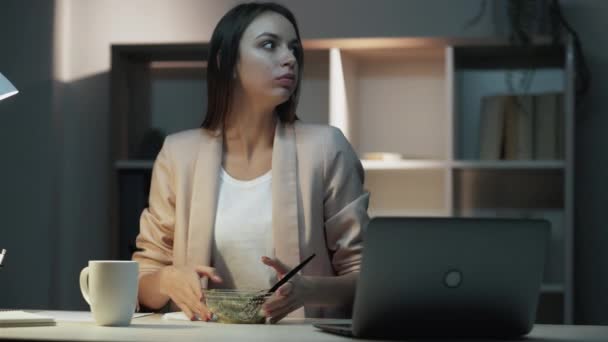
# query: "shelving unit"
{"type": "Point", "coordinates": [419, 97]}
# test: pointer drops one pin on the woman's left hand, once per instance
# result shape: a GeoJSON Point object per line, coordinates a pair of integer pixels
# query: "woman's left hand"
{"type": "Point", "coordinates": [289, 297]}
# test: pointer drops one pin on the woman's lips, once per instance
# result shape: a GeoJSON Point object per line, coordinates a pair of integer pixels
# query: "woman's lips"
{"type": "Point", "coordinates": [285, 81]}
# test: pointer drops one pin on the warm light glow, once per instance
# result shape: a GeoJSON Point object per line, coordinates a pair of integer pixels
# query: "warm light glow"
{"type": "Point", "coordinates": [84, 31]}
{"type": "Point", "coordinates": [61, 37]}
{"type": "Point", "coordinates": [338, 106]}
{"type": "Point", "coordinates": [370, 43]}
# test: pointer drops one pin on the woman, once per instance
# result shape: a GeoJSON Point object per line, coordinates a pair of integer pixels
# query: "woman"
{"type": "Point", "coordinates": [254, 190]}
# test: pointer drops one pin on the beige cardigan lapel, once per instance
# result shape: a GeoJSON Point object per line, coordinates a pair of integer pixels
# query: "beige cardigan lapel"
{"type": "Point", "coordinates": [284, 201]}
{"type": "Point", "coordinates": [286, 234]}
{"type": "Point", "coordinates": [204, 200]}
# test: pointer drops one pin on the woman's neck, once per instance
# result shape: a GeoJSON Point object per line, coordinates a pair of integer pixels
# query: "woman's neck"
{"type": "Point", "coordinates": [249, 128]}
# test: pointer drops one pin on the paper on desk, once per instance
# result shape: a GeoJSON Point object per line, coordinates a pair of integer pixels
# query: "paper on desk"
{"type": "Point", "coordinates": [79, 316]}
{"type": "Point", "coordinates": [178, 316]}
{"type": "Point", "coordinates": [20, 318]}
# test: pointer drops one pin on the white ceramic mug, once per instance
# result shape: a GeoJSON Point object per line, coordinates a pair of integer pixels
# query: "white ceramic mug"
{"type": "Point", "coordinates": [110, 288]}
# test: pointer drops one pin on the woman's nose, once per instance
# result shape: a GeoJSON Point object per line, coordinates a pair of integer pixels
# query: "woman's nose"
{"type": "Point", "coordinates": [288, 58]}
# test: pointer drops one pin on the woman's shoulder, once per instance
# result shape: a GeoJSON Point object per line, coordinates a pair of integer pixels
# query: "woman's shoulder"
{"type": "Point", "coordinates": [188, 138]}
{"type": "Point", "coordinates": [317, 132]}
{"type": "Point", "coordinates": [326, 136]}
{"type": "Point", "coordinates": [183, 148]}
{"type": "Point", "coordinates": [327, 144]}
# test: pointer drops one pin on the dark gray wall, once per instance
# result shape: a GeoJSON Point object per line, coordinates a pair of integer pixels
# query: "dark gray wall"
{"type": "Point", "coordinates": [28, 148]}
{"type": "Point", "coordinates": [85, 185]}
{"type": "Point", "coordinates": [386, 18]}
{"type": "Point", "coordinates": [588, 18]}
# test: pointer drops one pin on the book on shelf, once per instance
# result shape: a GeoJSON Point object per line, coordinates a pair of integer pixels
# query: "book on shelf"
{"type": "Point", "coordinates": [548, 142]}
{"type": "Point", "coordinates": [492, 124]}
{"type": "Point", "coordinates": [519, 132]}
{"type": "Point", "coordinates": [522, 127]}
{"type": "Point", "coordinates": [560, 138]}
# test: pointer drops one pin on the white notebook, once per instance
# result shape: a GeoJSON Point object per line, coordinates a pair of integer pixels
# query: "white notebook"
{"type": "Point", "coordinates": [18, 318]}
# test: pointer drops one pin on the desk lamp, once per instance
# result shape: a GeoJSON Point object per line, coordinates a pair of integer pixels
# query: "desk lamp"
{"type": "Point", "coordinates": [6, 88]}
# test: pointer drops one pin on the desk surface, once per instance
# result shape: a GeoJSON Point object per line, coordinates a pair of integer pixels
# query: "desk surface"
{"type": "Point", "coordinates": [154, 328]}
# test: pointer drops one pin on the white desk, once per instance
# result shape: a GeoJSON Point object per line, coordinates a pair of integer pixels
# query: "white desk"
{"type": "Point", "coordinates": [154, 328]}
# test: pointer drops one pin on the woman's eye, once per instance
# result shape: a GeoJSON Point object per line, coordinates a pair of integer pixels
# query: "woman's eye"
{"type": "Point", "coordinates": [268, 45]}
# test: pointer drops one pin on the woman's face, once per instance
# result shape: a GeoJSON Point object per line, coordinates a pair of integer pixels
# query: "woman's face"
{"type": "Point", "coordinates": [267, 67]}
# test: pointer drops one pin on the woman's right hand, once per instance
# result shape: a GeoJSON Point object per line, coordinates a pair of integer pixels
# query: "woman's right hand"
{"type": "Point", "coordinates": [182, 284]}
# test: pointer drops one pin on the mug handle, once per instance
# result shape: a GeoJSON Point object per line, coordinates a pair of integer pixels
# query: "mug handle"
{"type": "Point", "coordinates": [84, 284]}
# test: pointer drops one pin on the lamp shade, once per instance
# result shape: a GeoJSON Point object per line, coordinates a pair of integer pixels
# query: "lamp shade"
{"type": "Point", "coordinates": [6, 88]}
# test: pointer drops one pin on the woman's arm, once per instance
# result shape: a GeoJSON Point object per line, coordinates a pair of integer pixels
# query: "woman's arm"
{"type": "Point", "coordinates": [155, 239]}
{"type": "Point", "coordinates": [149, 291]}
{"type": "Point", "coordinates": [345, 204]}
{"type": "Point", "coordinates": [179, 283]}
{"type": "Point", "coordinates": [330, 291]}
{"type": "Point", "coordinates": [159, 279]}
{"type": "Point", "coordinates": [317, 290]}
{"type": "Point", "coordinates": [323, 291]}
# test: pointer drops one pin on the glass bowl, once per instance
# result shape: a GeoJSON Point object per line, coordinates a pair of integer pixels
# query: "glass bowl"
{"type": "Point", "coordinates": [236, 306]}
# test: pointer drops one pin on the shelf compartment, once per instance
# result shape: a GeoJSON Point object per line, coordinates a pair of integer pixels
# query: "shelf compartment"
{"type": "Point", "coordinates": [413, 191]}
{"type": "Point", "coordinates": [504, 188]}
{"type": "Point", "coordinates": [178, 100]}
{"type": "Point", "coordinates": [471, 86]}
{"type": "Point", "coordinates": [550, 309]}
{"type": "Point", "coordinates": [391, 100]}
{"type": "Point", "coordinates": [509, 56]}
{"type": "Point", "coordinates": [313, 106]}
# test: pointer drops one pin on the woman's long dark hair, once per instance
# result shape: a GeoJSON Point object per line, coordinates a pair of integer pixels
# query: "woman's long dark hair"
{"type": "Point", "coordinates": [223, 56]}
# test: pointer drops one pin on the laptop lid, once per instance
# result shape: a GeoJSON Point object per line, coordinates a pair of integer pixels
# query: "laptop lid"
{"type": "Point", "coordinates": [450, 277]}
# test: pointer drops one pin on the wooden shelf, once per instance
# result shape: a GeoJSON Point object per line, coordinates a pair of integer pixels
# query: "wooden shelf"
{"type": "Point", "coordinates": [552, 288]}
{"type": "Point", "coordinates": [134, 164]}
{"type": "Point", "coordinates": [413, 164]}
{"type": "Point", "coordinates": [406, 164]}
{"type": "Point", "coordinates": [509, 164]}
{"type": "Point", "coordinates": [408, 213]}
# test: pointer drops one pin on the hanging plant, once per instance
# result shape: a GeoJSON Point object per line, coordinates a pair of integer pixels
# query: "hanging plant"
{"type": "Point", "coordinates": [530, 18]}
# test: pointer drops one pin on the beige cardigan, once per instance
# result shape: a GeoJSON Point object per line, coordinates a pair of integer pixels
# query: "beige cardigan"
{"type": "Point", "coordinates": [318, 202]}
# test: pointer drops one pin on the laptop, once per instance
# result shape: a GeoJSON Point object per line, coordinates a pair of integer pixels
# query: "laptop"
{"type": "Point", "coordinates": [448, 277]}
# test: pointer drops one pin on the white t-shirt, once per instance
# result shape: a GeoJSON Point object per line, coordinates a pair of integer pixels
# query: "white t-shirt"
{"type": "Point", "coordinates": [243, 233]}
